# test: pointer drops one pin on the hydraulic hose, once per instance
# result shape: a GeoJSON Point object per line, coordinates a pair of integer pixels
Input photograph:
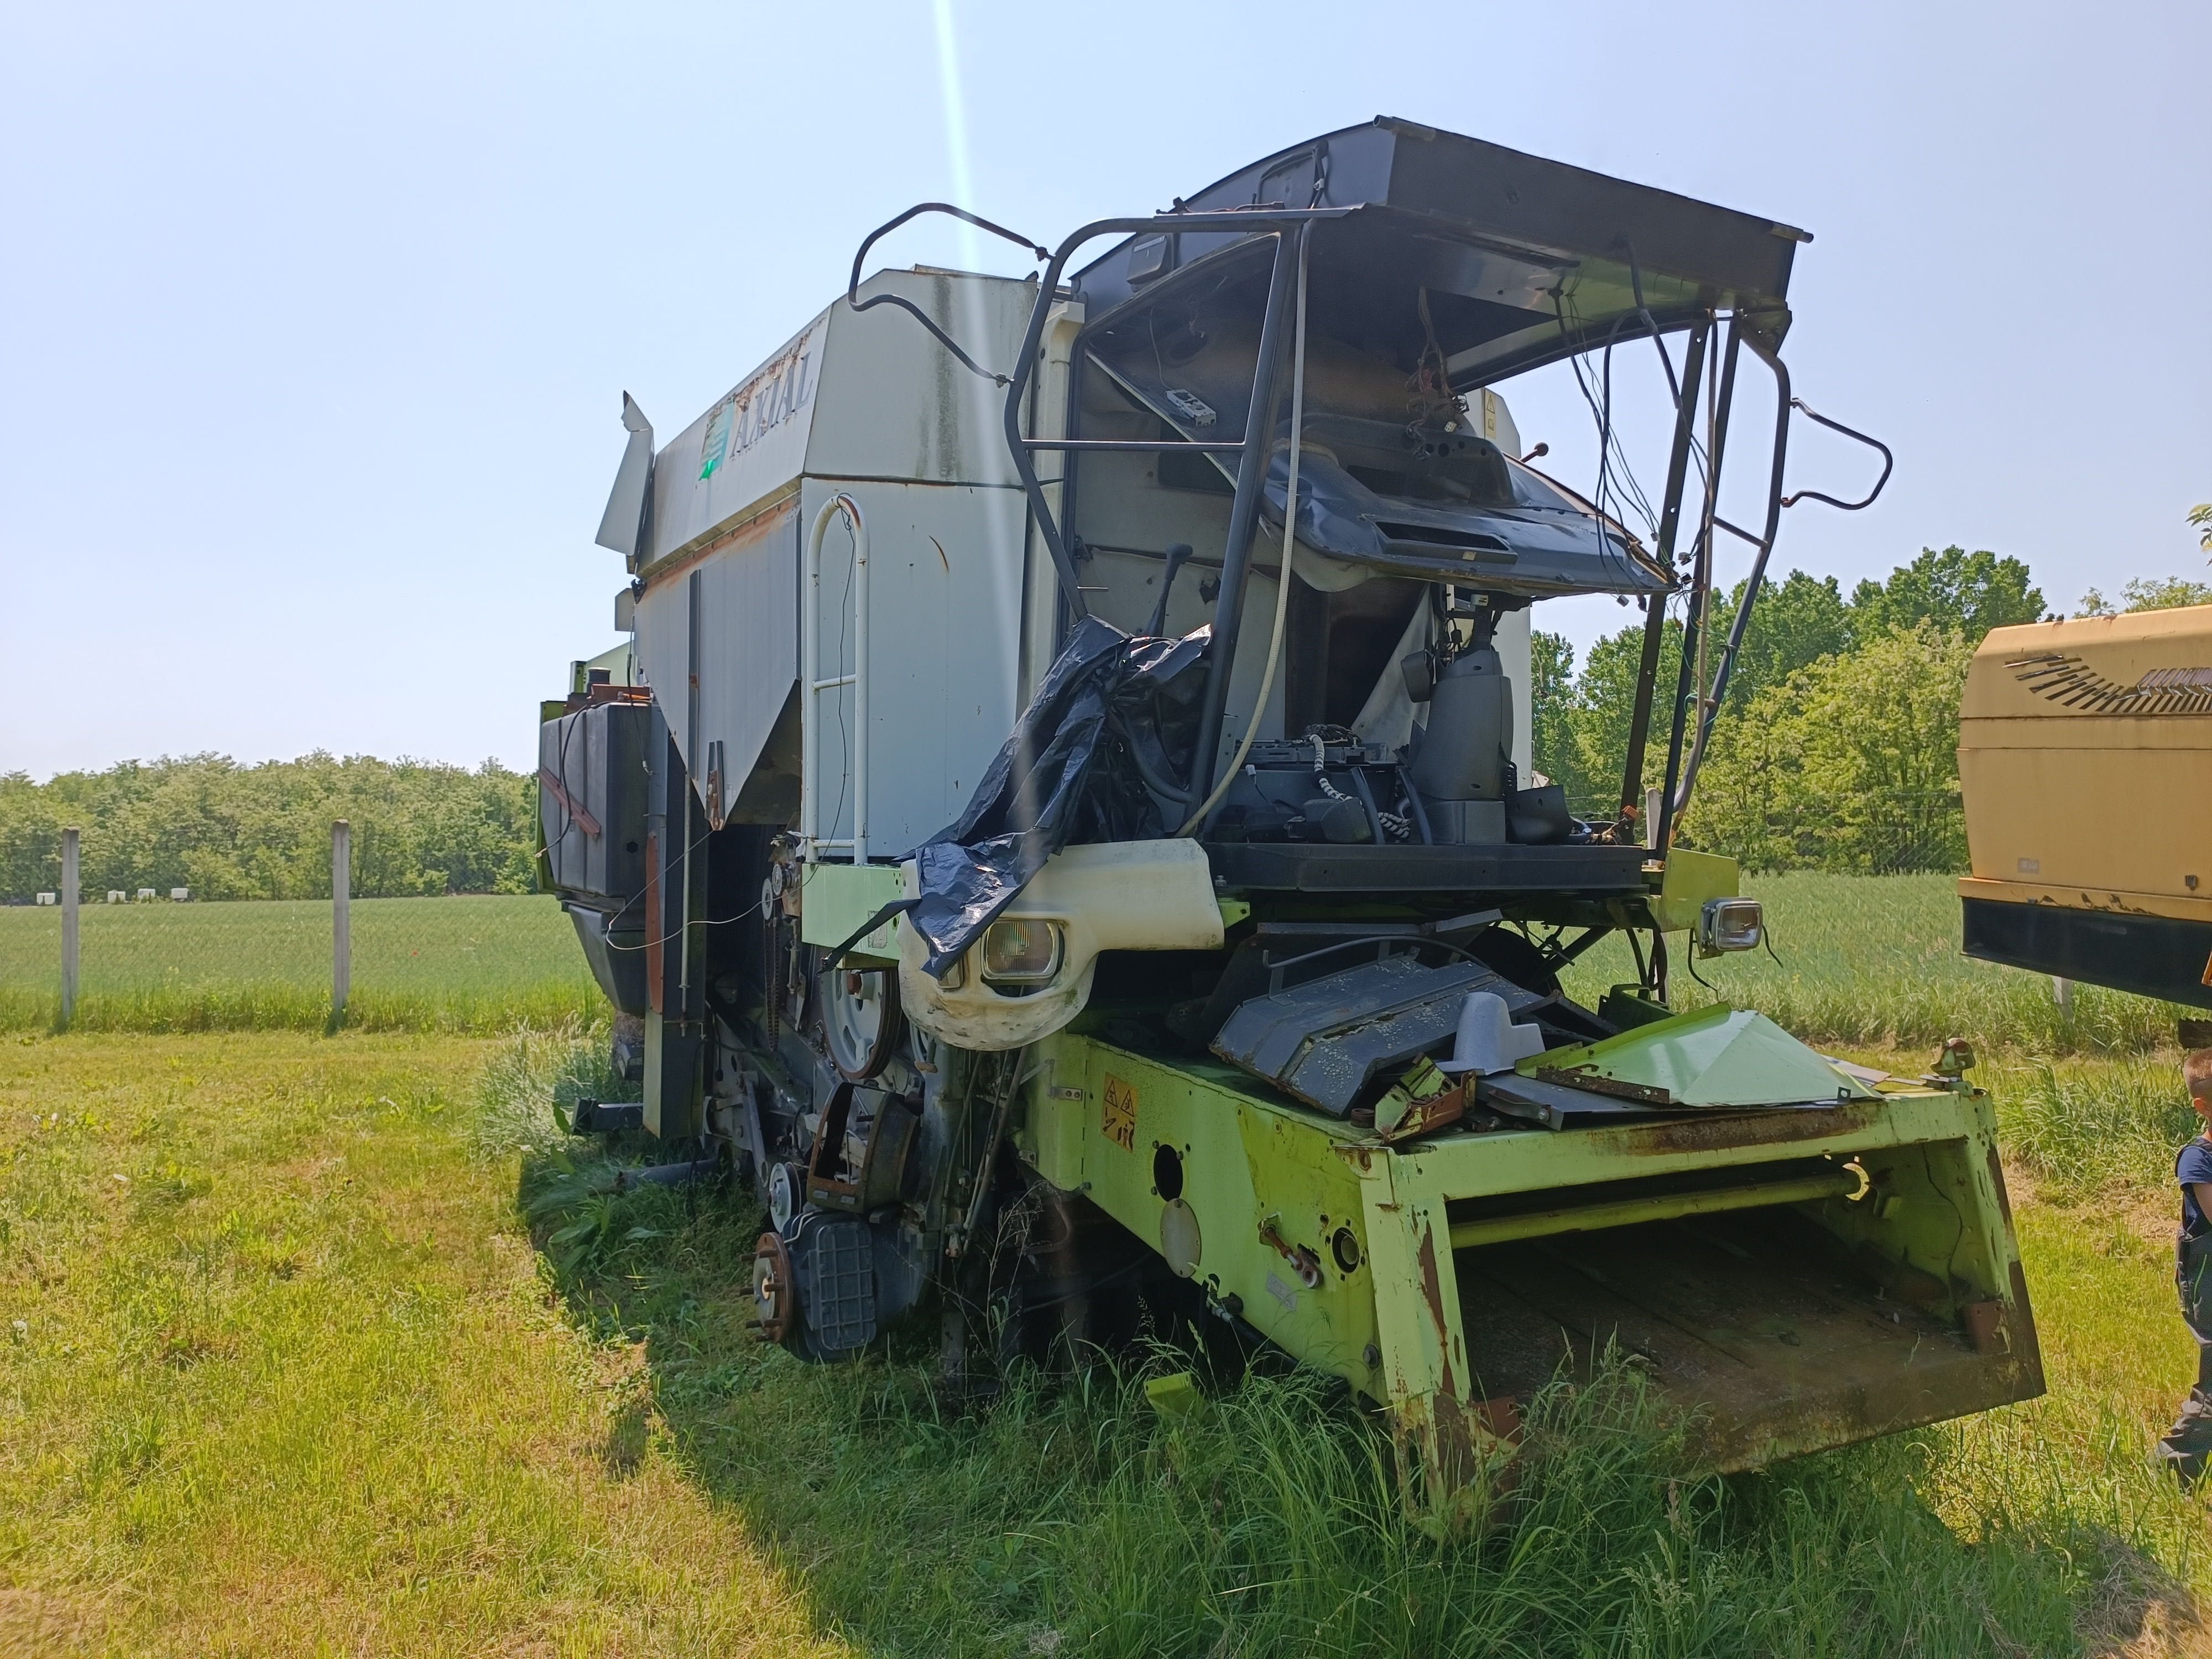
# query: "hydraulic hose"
{"type": "Point", "coordinates": [1289, 539]}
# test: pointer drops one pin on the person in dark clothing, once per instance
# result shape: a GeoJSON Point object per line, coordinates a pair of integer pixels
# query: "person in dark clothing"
{"type": "Point", "coordinates": [2188, 1444]}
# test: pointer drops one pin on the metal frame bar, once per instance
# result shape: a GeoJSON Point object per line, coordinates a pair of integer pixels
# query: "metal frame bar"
{"type": "Point", "coordinates": [1075, 444]}
{"type": "Point", "coordinates": [1689, 681]}
{"type": "Point", "coordinates": [1244, 515]}
{"type": "Point", "coordinates": [1239, 223]}
{"type": "Point", "coordinates": [810, 639]}
{"type": "Point", "coordinates": [1655, 625]}
{"type": "Point", "coordinates": [1765, 350]}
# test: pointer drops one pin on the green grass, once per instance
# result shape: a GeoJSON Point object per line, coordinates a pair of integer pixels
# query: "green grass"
{"type": "Point", "coordinates": [290, 1364]}
{"type": "Point", "coordinates": [1874, 959]}
{"type": "Point", "coordinates": [468, 964]}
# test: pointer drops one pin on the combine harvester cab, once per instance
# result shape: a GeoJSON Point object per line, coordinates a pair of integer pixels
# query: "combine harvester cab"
{"type": "Point", "coordinates": [1072, 837]}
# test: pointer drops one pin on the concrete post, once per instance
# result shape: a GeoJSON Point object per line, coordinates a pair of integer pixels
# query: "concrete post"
{"type": "Point", "coordinates": [341, 919]}
{"type": "Point", "coordinates": [1652, 817]}
{"type": "Point", "coordinates": [69, 938]}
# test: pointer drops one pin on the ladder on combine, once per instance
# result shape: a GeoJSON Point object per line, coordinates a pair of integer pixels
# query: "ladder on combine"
{"type": "Point", "coordinates": [810, 634]}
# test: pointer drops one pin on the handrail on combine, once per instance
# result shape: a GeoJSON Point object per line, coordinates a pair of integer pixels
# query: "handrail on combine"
{"type": "Point", "coordinates": [810, 640]}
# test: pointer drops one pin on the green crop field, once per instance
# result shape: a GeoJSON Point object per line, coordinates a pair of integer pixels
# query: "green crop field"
{"type": "Point", "coordinates": [467, 963]}
{"type": "Point", "coordinates": [1857, 959]}
{"type": "Point", "coordinates": [321, 1344]}
{"type": "Point", "coordinates": [1874, 959]}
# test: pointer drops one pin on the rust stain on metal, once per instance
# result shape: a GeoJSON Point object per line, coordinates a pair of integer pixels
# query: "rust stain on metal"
{"type": "Point", "coordinates": [1986, 1328]}
{"type": "Point", "coordinates": [1453, 1433]}
{"type": "Point", "coordinates": [1500, 1416]}
{"type": "Point", "coordinates": [1426, 1115]}
{"type": "Point", "coordinates": [553, 785]}
{"type": "Point", "coordinates": [2026, 1347]}
{"type": "Point", "coordinates": [1703, 1134]}
{"type": "Point", "coordinates": [754, 526]}
{"type": "Point", "coordinates": [1997, 1181]}
{"type": "Point", "coordinates": [1432, 1293]}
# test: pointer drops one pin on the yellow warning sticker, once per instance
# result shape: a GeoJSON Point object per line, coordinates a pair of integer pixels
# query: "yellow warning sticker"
{"type": "Point", "coordinates": [1118, 1117]}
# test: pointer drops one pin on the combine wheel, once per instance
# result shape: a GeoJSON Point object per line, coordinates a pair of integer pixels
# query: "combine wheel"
{"type": "Point", "coordinates": [775, 1299]}
{"type": "Point", "coordinates": [860, 1017]}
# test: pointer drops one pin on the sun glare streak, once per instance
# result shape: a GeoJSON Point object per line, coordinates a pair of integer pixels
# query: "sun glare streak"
{"type": "Point", "coordinates": [956, 127]}
{"type": "Point", "coordinates": [1004, 540]}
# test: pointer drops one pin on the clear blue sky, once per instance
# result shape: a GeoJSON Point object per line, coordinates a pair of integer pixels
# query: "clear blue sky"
{"type": "Point", "coordinates": [314, 321]}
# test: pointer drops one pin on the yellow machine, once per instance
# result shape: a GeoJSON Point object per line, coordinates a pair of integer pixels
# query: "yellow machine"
{"type": "Point", "coordinates": [2085, 753]}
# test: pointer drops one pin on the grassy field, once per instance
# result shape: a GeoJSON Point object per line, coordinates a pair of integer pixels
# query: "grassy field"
{"type": "Point", "coordinates": [289, 1366]}
{"type": "Point", "coordinates": [316, 1345]}
{"type": "Point", "coordinates": [1874, 959]}
{"type": "Point", "coordinates": [468, 964]}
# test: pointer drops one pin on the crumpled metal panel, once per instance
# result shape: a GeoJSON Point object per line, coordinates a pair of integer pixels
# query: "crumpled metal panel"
{"type": "Point", "coordinates": [1715, 1057]}
{"type": "Point", "coordinates": [1322, 1041]}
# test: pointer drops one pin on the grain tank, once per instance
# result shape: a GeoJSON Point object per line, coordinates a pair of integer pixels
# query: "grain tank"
{"type": "Point", "coordinates": [1072, 842]}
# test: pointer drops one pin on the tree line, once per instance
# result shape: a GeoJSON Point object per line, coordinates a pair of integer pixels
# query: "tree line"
{"type": "Point", "coordinates": [228, 831]}
{"type": "Point", "coordinates": [1837, 745]}
{"type": "Point", "coordinates": [1837, 749]}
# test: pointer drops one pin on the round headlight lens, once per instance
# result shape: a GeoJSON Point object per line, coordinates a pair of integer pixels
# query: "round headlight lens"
{"type": "Point", "coordinates": [1021, 951]}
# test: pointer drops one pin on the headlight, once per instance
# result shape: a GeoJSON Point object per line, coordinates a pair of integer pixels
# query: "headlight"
{"type": "Point", "coordinates": [1020, 950]}
{"type": "Point", "coordinates": [1731, 924]}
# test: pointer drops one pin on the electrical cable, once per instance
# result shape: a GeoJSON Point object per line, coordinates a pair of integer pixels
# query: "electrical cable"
{"type": "Point", "coordinates": [853, 286]}
{"type": "Point", "coordinates": [1283, 576]}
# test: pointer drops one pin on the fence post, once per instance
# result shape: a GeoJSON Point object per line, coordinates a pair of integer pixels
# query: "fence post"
{"type": "Point", "coordinates": [68, 926]}
{"type": "Point", "coordinates": [2062, 992]}
{"type": "Point", "coordinates": [1652, 817]}
{"type": "Point", "coordinates": [340, 920]}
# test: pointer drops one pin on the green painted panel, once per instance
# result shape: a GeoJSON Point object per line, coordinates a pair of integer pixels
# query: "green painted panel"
{"type": "Point", "coordinates": [1690, 879]}
{"type": "Point", "coordinates": [835, 898]}
{"type": "Point", "coordinates": [1716, 1056]}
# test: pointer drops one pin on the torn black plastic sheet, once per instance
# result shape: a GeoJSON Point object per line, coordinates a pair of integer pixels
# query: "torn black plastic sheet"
{"type": "Point", "coordinates": [1112, 710]}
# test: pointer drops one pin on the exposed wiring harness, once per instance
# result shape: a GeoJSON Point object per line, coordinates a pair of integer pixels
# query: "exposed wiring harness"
{"type": "Point", "coordinates": [1393, 826]}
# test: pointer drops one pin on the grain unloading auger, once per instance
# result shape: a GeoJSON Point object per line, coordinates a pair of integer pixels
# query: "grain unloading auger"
{"type": "Point", "coordinates": [1230, 1001]}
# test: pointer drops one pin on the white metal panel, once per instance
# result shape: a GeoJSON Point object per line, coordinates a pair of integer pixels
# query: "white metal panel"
{"type": "Point", "coordinates": [619, 523]}
{"type": "Point", "coordinates": [945, 579]}
{"type": "Point", "coordinates": [748, 645]}
{"type": "Point", "coordinates": [750, 444]}
{"type": "Point", "coordinates": [893, 403]}
{"type": "Point", "coordinates": [664, 647]}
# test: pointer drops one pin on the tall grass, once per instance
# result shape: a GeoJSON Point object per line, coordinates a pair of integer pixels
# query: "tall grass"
{"type": "Point", "coordinates": [1872, 960]}
{"type": "Point", "coordinates": [469, 964]}
{"type": "Point", "coordinates": [288, 1365]}
{"type": "Point", "coordinates": [1270, 1524]}
{"type": "Point", "coordinates": [2084, 1128]}
{"type": "Point", "coordinates": [1069, 1517]}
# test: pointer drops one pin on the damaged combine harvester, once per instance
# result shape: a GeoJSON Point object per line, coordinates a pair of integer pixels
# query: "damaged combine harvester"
{"type": "Point", "coordinates": [1229, 999]}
